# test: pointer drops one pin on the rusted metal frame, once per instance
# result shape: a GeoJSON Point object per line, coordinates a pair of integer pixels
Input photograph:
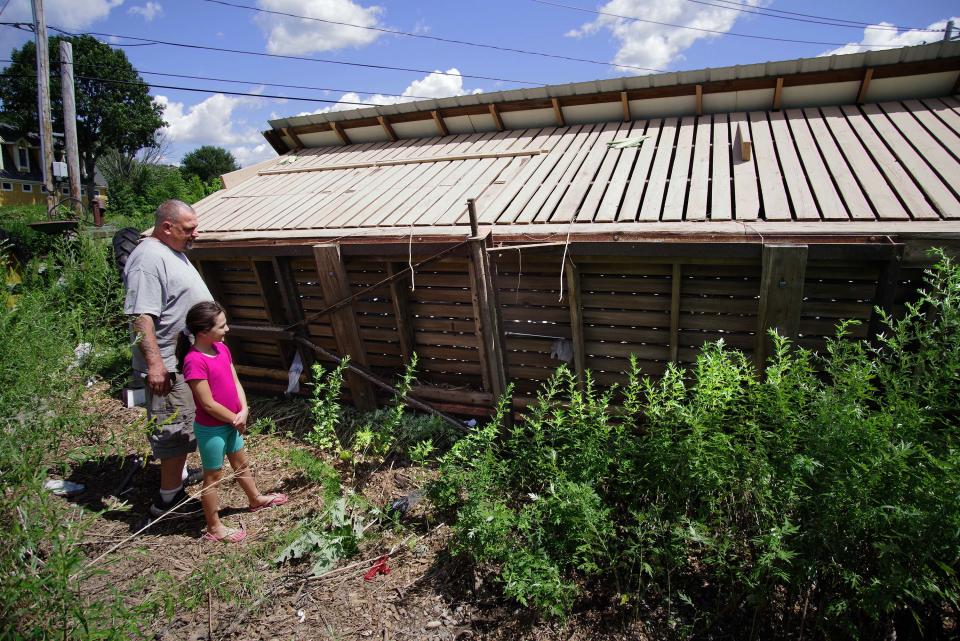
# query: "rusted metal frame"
{"type": "Point", "coordinates": [675, 282]}
{"type": "Point", "coordinates": [399, 298]}
{"type": "Point", "coordinates": [864, 85]}
{"type": "Point", "coordinates": [335, 283]}
{"type": "Point", "coordinates": [575, 303]}
{"type": "Point", "coordinates": [781, 295]}
{"type": "Point", "coordinates": [887, 284]}
{"type": "Point", "coordinates": [371, 379]}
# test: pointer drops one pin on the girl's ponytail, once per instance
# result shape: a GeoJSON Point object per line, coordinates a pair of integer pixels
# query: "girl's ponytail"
{"type": "Point", "coordinates": [183, 346]}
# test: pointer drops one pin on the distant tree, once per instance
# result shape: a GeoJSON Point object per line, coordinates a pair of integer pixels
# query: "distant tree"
{"type": "Point", "coordinates": [119, 114]}
{"type": "Point", "coordinates": [208, 162]}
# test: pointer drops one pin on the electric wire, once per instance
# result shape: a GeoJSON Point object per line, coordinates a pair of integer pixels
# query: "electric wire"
{"type": "Point", "coordinates": [424, 36]}
{"type": "Point", "coordinates": [700, 29]}
{"type": "Point", "coordinates": [805, 17]}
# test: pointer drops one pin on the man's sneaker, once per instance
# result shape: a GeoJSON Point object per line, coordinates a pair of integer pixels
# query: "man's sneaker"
{"type": "Point", "coordinates": [161, 507]}
{"type": "Point", "coordinates": [194, 476]}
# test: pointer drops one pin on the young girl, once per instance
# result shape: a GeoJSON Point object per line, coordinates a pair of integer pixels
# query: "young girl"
{"type": "Point", "coordinates": [221, 415]}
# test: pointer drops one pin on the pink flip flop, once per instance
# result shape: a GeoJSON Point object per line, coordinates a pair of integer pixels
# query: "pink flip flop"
{"type": "Point", "coordinates": [275, 500]}
{"type": "Point", "coordinates": [232, 536]}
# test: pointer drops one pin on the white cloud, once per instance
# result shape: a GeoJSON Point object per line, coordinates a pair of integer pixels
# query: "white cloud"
{"type": "Point", "coordinates": [67, 14]}
{"type": "Point", "coordinates": [296, 36]}
{"type": "Point", "coordinates": [148, 11]}
{"type": "Point", "coordinates": [435, 85]}
{"type": "Point", "coordinates": [882, 34]}
{"type": "Point", "coordinates": [654, 46]}
{"type": "Point", "coordinates": [214, 121]}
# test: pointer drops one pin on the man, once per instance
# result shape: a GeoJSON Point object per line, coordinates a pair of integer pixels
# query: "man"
{"type": "Point", "coordinates": [162, 285]}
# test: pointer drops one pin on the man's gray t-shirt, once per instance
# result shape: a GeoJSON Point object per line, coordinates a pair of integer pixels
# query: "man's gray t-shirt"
{"type": "Point", "coordinates": [163, 283]}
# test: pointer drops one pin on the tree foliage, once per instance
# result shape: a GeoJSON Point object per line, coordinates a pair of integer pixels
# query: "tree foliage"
{"type": "Point", "coordinates": [119, 114]}
{"type": "Point", "coordinates": [208, 162]}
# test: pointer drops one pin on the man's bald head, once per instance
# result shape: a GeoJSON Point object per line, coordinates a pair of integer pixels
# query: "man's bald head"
{"type": "Point", "coordinates": [175, 225]}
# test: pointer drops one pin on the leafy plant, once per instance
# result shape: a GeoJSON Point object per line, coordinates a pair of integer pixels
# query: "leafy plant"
{"type": "Point", "coordinates": [325, 406]}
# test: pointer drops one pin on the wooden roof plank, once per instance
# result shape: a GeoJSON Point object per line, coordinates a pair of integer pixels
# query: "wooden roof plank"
{"type": "Point", "coordinates": [947, 138]}
{"type": "Point", "coordinates": [565, 173]}
{"type": "Point", "coordinates": [651, 206]}
{"type": "Point", "coordinates": [680, 172]}
{"type": "Point", "coordinates": [637, 172]}
{"type": "Point", "coordinates": [829, 201]}
{"type": "Point", "coordinates": [773, 191]}
{"type": "Point", "coordinates": [804, 205]}
{"type": "Point", "coordinates": [746, 195]}
{"type": "Point", "coordinates": [903, 183]}
{"type": "Point", "coordinates": [490, 212]}
{"type": "Point", "coordinates": [616, 179]}
{"type": "Point", "coordinates": [569, 204]}
{"type": "Point", "coordinates": [720, 186]}
{"type": "Point", "coordinates": [878, 192]}
{"type": "Point", "coordinates": [699, 193]}
{"type": "Point", "coordinates": [850, 193]}
{"type": "Point", "coordinates": [548, 179]}
{"type": "Point", "coordinates": [590, 209]}
{"type": "Point", "coordinates": [509, 175]}
{"type": "Point", "coordinates": [942, 111]}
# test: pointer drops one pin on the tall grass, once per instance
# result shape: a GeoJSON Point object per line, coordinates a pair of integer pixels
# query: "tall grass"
{"type": "Point", "coordinates": [821, 499]}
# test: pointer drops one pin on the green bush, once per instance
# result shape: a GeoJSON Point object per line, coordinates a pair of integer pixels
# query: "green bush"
{"type": "Point", "coordinates": [821, 496]}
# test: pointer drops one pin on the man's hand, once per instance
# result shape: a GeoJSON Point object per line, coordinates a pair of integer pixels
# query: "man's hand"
{"type": "Point", "coordinates": [158, 380]}
{"type": "Point", "coordinates": [240, 421]}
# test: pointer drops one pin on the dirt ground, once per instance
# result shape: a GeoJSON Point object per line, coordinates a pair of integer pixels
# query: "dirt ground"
{"type": "Point", "coordinates": [426, 595]}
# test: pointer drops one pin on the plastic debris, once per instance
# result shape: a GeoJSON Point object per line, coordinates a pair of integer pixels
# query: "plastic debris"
{"type": "Point", "coordinates": [471, 423]}
{"type": "Point", "coordinates": [63, 488]}
{"type": "Point", "coordinates": [400, 506]}
{"type": "Point", "coordinates": [626, 143]}
{"type": "Point", "coordinates": [562, 350]}
{"type": "Point", "coordinates": [293, 376]}
{"type": "Point", "coordinates": [301, 616]}
{"type": "Point", "coordinates": [379, 567]}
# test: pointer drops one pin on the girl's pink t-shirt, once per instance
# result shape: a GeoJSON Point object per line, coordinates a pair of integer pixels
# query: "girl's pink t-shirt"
{"type": "Point", "coordinates": [218, 372]}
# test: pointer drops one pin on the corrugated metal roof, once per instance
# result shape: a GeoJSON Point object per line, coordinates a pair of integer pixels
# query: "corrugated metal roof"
{"type": "Point", "coordinates": [894, 161]}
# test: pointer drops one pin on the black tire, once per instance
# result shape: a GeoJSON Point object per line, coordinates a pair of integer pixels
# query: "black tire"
{"type": "Point", "coordinates": [15, 246]}
{"type": "Point", "coordinates": [124, 242]}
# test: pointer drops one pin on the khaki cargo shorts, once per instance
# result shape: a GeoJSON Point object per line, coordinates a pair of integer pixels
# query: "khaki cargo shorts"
{"type": "Point", "coordinates": [172, 419]}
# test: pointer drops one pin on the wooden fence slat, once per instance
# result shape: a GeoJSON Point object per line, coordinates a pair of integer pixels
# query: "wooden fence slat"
{"type": "Point", "coordinates": [746, 195]}
{"type": "Point", "coordinates": [652, 205]}
{"type": "Point", "coordinates": [781, 295]}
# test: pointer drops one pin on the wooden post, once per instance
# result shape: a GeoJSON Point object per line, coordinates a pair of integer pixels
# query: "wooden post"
{"type": "Point", "coordinates": [698, 99]}
{"type": "Point", "coordinates": [778, 94]}
{"type": "Point", "coordinates": [336, 286]}
{"type": "Point", "coordinates": [290, 299]}
{"type": "Point", "coordinates": [399, 298]}
{"type": "Point", "coordinates": [486, 308]}
{"type": "Point", "coordinates": [575, 301]}
{"type": "Point", "coordinates": [675, 281]}
{"type": "Point", "coordinates": [887, 284]}
{"type": "Point", "coordinates": [495, 114]}
{"type": "Point", "coordinates": [43, 102]}
{"type": "Point", "coordinates": [781, 295]}
{"type": "Point", "coordinates": [438, 120]}
{"type": "Point", "coordinates": [864, 85]}
{"type": "Point", "coordinates": [625, 103]}
{"type": "Point", "coordinates": [70, 126]}
{"type": "Point", "coordinates": [558, 112]}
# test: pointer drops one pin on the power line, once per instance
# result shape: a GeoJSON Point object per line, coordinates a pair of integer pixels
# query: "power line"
{"type": "Point", "coordinates": [811, 18]}
{"type": "Point", "coordinates": [290, 57]}
{"type": "Point", "coordinates": [408, 34]}
{"type": "Point", "coordinates": [680, 26]}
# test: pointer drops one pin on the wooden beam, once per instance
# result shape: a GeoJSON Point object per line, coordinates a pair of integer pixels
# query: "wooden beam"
{"type": "Point", "coordinates": [742, 142]}
{"type": "Point", "coordinates": [558, 112]}
{"type": "Point", "coordinates": [438, 120]}
{"type": "Point", "coordinates": [399, 298]}
{"type": "Point", "coordinates": [625, 102]}
{"type": "Point", "coordinates": [387, 128]}
{"type": "Point", "coordinates": [292, 135]}
{"type": "Point", "coordinates": [341, 134]}
{"type": "Point", "coordinates": [864, 85]}
{"type": "Point", "coordinates": [290, 299]}
{"type": "Point", "coordinates": [781, 295]}
{"type": "Point", "coordinates": [495, 114]}
{"type": "Point", "coordinates": [575, 302]}
{"type": "Point", "coordinates": [270, 293]}
{"type": "Point", "coordinates": [404, 161]}
{"type": "Point", "coordinates": [675, 281]}
{"type": "Point", "coordinates": [486, 308]}
{"type": "Point", "coordinates": [276, 142]}
{"type": "Point", "coordinates": [887, 283]}
{"type": "Point", "coordinates": [698, 97]}
{"type": "Point", "coordinates": [335, 284]}
{"type": "Point", "coordinates": [778, 94]}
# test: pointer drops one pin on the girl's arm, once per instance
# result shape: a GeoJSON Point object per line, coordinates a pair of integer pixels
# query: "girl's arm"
{"type": "Point", "coordinates": [240, 422]}
{"type": "Point", "coordinates": [204, 398]}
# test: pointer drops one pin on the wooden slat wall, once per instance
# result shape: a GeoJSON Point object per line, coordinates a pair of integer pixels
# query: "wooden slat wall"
{"type": "Point", "coordinates": [375, 316]}
{"type": "Point", "coordinates": [244, 304]}
{"type": "Point", "coordinates": [308, 289]}
{"type": "Point", "coordinates": [718, 301]}
{"type": "Point", "coordinates": [833, 292]}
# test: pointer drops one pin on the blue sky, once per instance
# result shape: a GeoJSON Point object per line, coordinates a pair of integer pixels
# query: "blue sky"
{"type": "Point", "coordinates": [622, 46]}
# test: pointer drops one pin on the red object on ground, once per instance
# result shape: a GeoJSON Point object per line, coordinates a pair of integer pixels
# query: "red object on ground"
{"type": "Point", "coordinates": [379, 567]}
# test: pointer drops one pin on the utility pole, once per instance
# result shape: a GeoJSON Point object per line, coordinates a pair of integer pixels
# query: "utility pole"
{"type": "Point", "coordinates": [70, 125]}
{"type": "Point", "coordinates": [43, 100]}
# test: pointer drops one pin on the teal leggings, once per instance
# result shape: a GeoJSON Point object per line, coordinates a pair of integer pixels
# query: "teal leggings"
{"type": "Point", "coordinates": [214, 442]}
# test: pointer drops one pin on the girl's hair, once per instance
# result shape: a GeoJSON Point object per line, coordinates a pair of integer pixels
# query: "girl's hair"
{"type": "Point", "coordinates": [201, 318]}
